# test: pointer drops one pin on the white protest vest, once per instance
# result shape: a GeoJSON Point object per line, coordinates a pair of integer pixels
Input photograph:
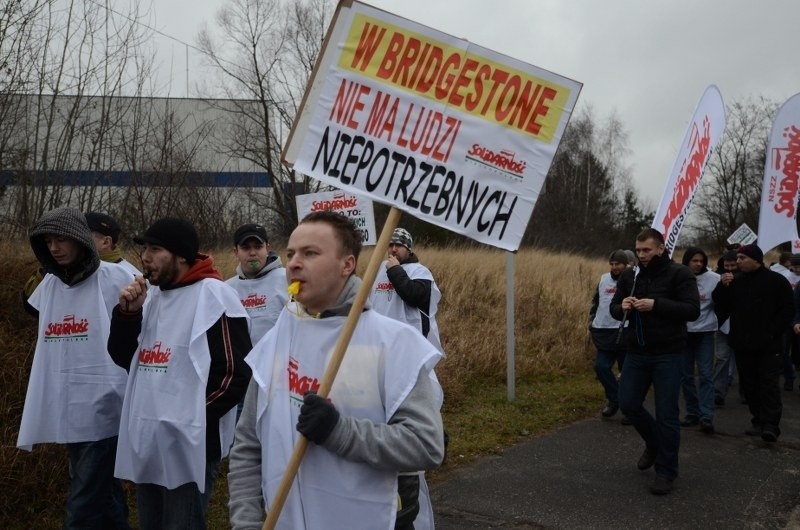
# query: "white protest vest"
{"type": "Point", "coordinates": [791, 276]}
{"type": "Point", "coordinates": [387, 302]}
{"type": "Point", "coordinates": [128, 266]}
{"type": "Point", "coordinates": [605, 291]}
{"type": "Point", "coordinates": [707, 321]}
{"type": "Point", "coordinates": [162, 438]}
{"type": "Point", "coordinates": [264, 298]}
{"type": "Point", "coordinates": [75, 390]}
{"type": "Point", "coordinates": [379, 369]}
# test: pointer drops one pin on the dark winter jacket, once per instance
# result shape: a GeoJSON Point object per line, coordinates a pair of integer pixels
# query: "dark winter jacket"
{"type": "Point", "coordinates": [673, 287]}
{"type": "Point", "coordinates": [415, 293]}
{"type": "Point", "coordinates": [761, 308]}
{"type": "Point", "coordinates": [228, 343]}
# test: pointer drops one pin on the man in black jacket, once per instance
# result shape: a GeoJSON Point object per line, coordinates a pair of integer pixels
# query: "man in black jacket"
{"type": "Point", "coordinates": [759, 302]}
{"type": "Point", "coordinates": [183, 341]}
{"type": "Point", "coordinates": [659, 299]}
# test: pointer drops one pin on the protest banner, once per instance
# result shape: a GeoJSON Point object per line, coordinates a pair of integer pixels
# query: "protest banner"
{"type": "Point", "coordinates": [448, 131]}
{"type": "Point", "coordinates": [701, 138]}
{"type": "Point", "coordinates": [777, 219]}
{"type": "Point", "coordinates": [356, 208]}
{"type": "Point", "coordinates": [743, 235]}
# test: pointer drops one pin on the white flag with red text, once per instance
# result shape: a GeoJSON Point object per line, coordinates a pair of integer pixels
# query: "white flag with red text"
{"type": "Point", "coordinates": [700, 140]}
{"type": "Point", "coordinates": [777, 220]}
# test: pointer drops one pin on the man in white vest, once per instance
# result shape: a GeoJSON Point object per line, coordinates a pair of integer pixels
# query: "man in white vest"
{"type": "Point", "coordinates": [608, 336]}
{"type": "Point", "coordinates": [405, 289]}
{"type": "Point", "coordinates": [380, 419]}
{"type": "Point", "coordinates": [260, 281]}
{"type": "Point", "coordinates": [699, 398]}
{"type": "Point", "coordinates": [183, 342]}
{"type": "Point", "coordinates": [75, 391]}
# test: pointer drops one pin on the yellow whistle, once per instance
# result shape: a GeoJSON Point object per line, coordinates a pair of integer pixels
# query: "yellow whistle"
{"type": "Point", "coordinates": [294, 288]}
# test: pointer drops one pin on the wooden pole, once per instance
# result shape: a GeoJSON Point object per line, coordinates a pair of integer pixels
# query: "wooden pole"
{"type": "Point", "coordinates": [335, 362]}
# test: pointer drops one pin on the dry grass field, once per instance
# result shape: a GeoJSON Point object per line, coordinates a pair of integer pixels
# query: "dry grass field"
{"type": "Point", "coordinates": [554, 379]}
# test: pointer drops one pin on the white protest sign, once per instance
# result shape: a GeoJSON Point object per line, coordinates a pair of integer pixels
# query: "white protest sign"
{"type": "Point", "coordinates": [448, 131]}
{"type": "Point", "coordinates": [743, 235]}
{"type": "Point", "coordinates": [777, 218]}
{"type": "Point", "coordinates": [702, 136]}
{"type": "Point", "coordinates": [356, 208]}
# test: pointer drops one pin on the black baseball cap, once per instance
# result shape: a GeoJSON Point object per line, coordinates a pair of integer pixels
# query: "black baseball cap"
{"type": "Point", "coordinates": [104, 224]}
{"type": "Point", "coordinates": [245, 232]}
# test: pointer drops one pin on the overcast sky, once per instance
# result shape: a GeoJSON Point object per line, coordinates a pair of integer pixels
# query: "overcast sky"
{"type": "Point", "coordinates": [649, 61]}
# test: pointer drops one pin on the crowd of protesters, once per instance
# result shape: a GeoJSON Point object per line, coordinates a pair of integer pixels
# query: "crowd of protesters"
{"type": "Point", "coordinates": [684, 328]}
{"type": "Point", "coordinates": [139, 375]}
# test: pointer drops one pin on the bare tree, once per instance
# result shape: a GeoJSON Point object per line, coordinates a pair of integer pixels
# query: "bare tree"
{"type": "Point", "coordinates": [264, 52]}
{"type": "Point", "coordinates": [587, 202]}
{"type": "Point", "coordinates": [64, 61]}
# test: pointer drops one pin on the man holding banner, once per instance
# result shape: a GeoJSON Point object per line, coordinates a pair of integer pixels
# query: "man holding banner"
{"type": "Point", "coordinates": [382, 416]}
{"type": "Point", "coordinates": [659, 300]}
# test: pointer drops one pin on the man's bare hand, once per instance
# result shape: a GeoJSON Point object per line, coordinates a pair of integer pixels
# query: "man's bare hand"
{"type": "Point", "coordinates": [131, 298]}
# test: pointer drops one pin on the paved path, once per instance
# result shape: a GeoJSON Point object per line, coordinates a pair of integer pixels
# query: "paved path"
{"type": "Point", "coordinates": [585, 476]}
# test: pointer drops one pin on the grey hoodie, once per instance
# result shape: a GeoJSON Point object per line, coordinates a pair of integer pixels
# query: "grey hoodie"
{"type": "Point", "coordinates": [71, 223]}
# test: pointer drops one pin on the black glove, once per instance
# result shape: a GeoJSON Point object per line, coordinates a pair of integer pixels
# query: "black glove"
{"type": "Point", "coordinates": [317, 418]}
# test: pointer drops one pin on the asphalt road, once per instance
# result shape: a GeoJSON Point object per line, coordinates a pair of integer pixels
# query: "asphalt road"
{"type": "Point", "coordinates": [585, 476]}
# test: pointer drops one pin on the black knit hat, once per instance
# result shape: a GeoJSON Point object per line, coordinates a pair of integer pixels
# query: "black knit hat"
{"type": "Point", "coordinates": [176, 235]}
{"type": "Point", "coordinates": [103, 223]}
{"type": "Point", "coordinates": [752, 251]}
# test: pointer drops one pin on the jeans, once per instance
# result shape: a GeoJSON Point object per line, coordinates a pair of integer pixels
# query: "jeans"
{"type": "Point", "coordinates": [603, 364]}
{"type": "Point", "coordinates": [96, 499]}
{"type": "Point", "coordinates": [700, 351]}
{"type": "Point", "coordinates": [182, 508]}
{"type": "Point", "coordinates": [661, 434]}
{"type": "Point", "coordinates": [759, 376]}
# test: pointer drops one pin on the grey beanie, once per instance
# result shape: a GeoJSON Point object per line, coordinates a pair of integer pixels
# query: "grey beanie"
{"type": "Point", "coordinates": [619, 256]}
{"type": "Point", "coordinates": [631, 257]}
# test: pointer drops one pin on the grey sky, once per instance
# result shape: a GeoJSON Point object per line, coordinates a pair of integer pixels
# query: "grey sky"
{"type": "Point", "coordinates": [648, 61]}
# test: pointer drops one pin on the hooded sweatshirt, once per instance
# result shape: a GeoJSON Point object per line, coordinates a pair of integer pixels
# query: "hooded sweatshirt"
{"type": "Point", "coordinates": [707, 280]}
{"type": "Point", "coordinates": [71, 223]}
